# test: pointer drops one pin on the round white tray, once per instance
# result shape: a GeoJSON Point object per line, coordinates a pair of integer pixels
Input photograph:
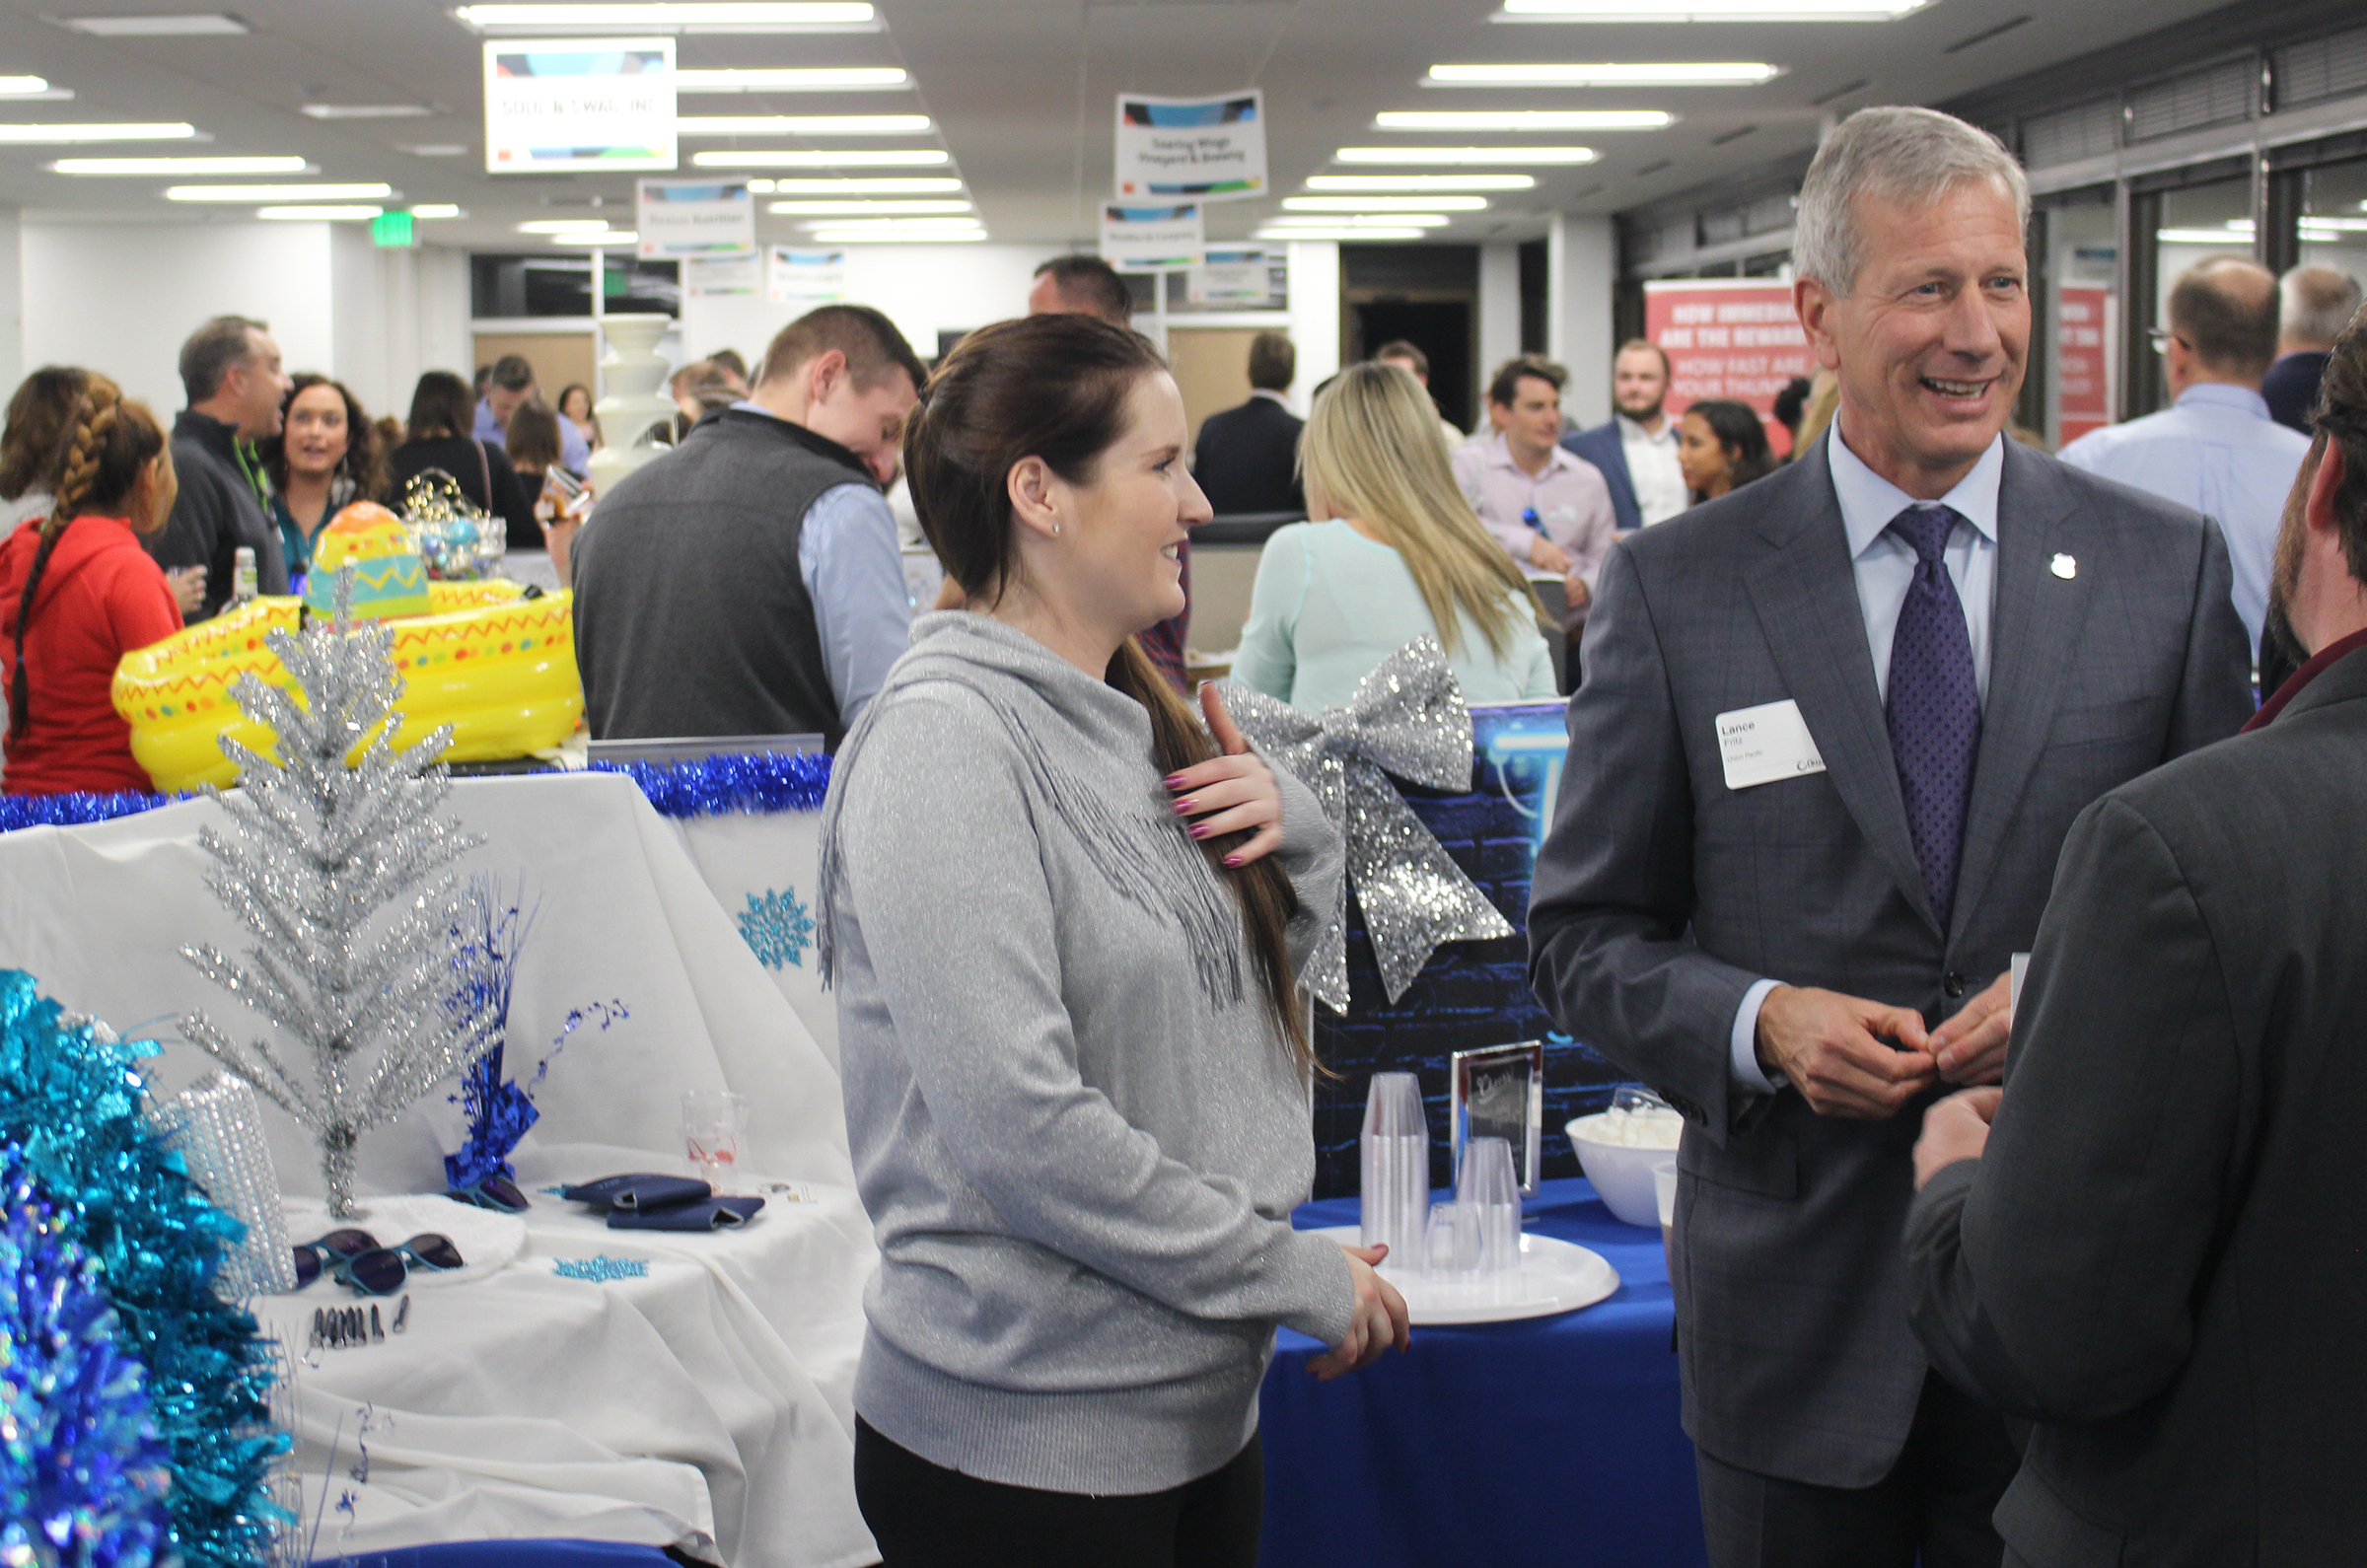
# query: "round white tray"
{"type": "Point", "coordinates": [1555, 1276]}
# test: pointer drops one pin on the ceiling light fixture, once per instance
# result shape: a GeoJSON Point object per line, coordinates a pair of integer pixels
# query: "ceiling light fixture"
{"type": "Point", "coordinates": [437, 209]}
{"type": "Point", "coordinates": [835, 158]}
{"type": "Point", "coordinates": [1383, 203]}
{"type": "Point", "coordinates": [672, 15]}
{"type": "Point", "coordinates": [367, 110]}
{"type": "Point", "coordinates": [181, 165]}
{"type": "Point", "coordinates": [887, 186]}
{"type": "Point", "coordinates": [2340, 225]}
{"type": "Point", "coordinates": [913, 223]}
{"type": "Point", "coordinates": [64, 135]}
{"type": "Point", "coordinates": [318, 214]}
{"type": "Point", "coordinates": [1522, 119]}
{"type": "Point", "coordinates": [1361, 220]}
{"type": "Point", "coordinates": [29, 87]}
{"type": "Point", "coordinates": [1423, 184]}
{"type": "Point", "coordinates": [879, 237]}
{"type": "Point", "coordinates": [795, 79]}
{"type": "Point", "coordinates": [1340, 233]}
{"type": "Point", "coordinates": [2229, 235]}
{"type": "Point", "coordinates": [565, 226]}
{"type": "Point", "coordinates": [370, 192]}
{"type": "Point", "coordinates": [599, 240]}
{"type": "Point", "coordinates": [1706, 73]}
{"type": "Point", "coordinates": [203, 25]}
{"type": "Point", "coordinates": [801, 124]}
{"type": "Point", "coordinates": [1706, 9]}
{"type": "Point", "coordinates": [791, 209]}
{"type": "Point", "coordinates": [437, 150]}
{"type": "Point", "coordinates": [1465, 154]}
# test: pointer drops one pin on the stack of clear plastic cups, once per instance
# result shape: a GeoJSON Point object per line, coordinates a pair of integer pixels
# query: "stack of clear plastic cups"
{"type": "Point", "coordinates": [1487, 1189]}
{"type": "Point", "coordinates": [1396, 1148]}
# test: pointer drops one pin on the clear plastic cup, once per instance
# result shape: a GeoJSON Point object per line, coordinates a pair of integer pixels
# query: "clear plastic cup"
{"type": "Point", "coordinates": [1451, 1250]}
{"type": "Point", "coordinates": [1487, 1185]}
{"type": "Point", "coordinates": [1395, 1153]}
{"type": "Point", "coordinates": [714, 1125]}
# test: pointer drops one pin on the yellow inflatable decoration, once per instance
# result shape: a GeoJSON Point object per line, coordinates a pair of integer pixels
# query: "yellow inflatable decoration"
{"type": "Point", "coordinates": [497, 667]}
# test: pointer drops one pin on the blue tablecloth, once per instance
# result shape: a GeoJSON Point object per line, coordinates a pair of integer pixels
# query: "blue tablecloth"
{"type": "Point", "coordinates": [510, 1554]}
{"type": "Point", "coordinates": [1553, 1440]}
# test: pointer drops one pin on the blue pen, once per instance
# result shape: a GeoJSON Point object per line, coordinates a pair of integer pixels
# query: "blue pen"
{"type": "Point", "coordinates": [1528, 516]}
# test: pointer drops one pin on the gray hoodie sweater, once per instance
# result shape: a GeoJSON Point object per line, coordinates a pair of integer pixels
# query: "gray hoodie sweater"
{"type": "Point", "coordinates": [1076, 1128]}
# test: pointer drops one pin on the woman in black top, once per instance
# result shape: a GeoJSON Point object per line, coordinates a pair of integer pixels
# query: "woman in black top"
{"type": "Point", "coordinates": [442, 416]}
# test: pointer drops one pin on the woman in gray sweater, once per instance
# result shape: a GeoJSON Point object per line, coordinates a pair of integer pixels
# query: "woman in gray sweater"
{"type": "Point", "coordinates": [1076, 1063]}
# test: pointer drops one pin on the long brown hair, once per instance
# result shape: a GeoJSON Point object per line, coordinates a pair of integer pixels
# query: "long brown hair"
{"type": "Point", "coordinates": [365, 460]}
{"type": "Point", "coordinates": [1056, 387]}
{"type": "Point", "coordinates": [40, 418]}
{"type": "Point", "coordinates": [112, 441]}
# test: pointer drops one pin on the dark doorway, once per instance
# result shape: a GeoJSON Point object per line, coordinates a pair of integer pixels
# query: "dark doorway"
{"type": "Point", "coordinates": [1440, 329]}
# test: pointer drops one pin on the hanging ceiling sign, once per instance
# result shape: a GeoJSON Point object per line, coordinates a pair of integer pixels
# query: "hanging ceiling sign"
{"type": "Point", "coordinates": [1144, 237]}
{"type": "Point", "coordinates": [1184, 149]}
{"type": "Point", "coordinates": [682, 218]}
{"type": "Point", "coordinates": [806, 277]}
{"type": "Point", "coordinates": [556, 105]}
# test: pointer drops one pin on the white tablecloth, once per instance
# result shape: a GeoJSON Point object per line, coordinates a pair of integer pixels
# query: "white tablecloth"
{"type": "Point", "coordinates": [706, 1405]}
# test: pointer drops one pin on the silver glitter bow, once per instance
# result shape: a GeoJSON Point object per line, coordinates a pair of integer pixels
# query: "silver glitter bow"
{"type": "Point", "coordinates": [1406, 717]}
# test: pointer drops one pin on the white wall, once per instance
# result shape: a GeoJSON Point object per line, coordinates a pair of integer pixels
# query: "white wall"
{"type": "Point", "coordinates": [1313, 315]}
{"type": "Point", "coordinates": [11, 297]}
{"type": "Point", "coordinates": [120, 297]}
{"type": "Point", "coordinates": [1581, 266]}
{"type": "Point", "coordinates": [1499, 306]}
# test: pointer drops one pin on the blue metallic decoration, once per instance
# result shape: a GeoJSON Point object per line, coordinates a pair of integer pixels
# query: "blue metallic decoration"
{"type": "Point", "coordinates": [599, 1269]}
{"type": "Point", "coordinates": [777, 928]}
{"type": "Point", "coordinates": [713, 786]}
{"type": "Point", "coordinates": [83, 1474]}
{"type": "Point", "coordinates": [76, 809]}
{"type": "Point", "coordinates": [70, 1097]}
{"type": "Point", "coordinates": [499, 1112]}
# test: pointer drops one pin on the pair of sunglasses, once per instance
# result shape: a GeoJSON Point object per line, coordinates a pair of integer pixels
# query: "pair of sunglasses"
{"type": "Point", "coordinates": [354, 1259]}
{"type": "Point", "coordinates": [497, 1192]}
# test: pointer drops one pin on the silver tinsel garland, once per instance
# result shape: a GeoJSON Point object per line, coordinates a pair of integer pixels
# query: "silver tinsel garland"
{"type": "Point", "coordinates": [217, 1124]}
{"type": "Point", "coordinates": [319, 854]}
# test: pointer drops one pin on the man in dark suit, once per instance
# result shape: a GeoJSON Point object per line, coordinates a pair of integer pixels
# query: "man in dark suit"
{"type": "Point", "coordinates": [2314, 304]}
{"type": "Point", "coordinates": [1833, 728]}
{"type": "Point", "coordinates": [1637, 449]}
{"type": "Point", "coordinates": [1247, 457]}
{"type": "Point", "coordinates": [2155, 1253]}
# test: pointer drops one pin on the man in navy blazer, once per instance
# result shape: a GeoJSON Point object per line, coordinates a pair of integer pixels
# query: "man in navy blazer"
{"type": "Point", "coordinates": [1637, 449]}
{"type": "Point", "coordinates": [1834, 728]}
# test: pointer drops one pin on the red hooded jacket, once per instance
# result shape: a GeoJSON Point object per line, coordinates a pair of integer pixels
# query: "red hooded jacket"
{"type": "Point", "coordinates": [100, 598]}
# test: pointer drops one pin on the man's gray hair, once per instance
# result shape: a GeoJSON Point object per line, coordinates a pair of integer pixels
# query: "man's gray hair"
{"type": "Point", "coordinates": [1906, 157]}
{"type": "Point", "coordinates": [2319, 302]}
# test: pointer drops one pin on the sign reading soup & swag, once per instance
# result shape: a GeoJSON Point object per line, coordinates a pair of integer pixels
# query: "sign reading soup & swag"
{"type": "Point", "coordinates": [1191, 149]}
{"type": "Point", "coordinates": [557, 105]}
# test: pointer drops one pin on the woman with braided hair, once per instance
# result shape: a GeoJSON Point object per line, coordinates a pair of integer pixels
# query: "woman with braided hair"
{"type": "Point", "coordinates": [77, 593]}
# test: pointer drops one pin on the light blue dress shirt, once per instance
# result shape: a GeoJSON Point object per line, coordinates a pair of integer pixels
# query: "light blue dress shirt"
{"type": "Point", "coordinates": [2217, 451]}
{"type": "Point", "coordinates": [1884, 565]}
{"type": "Point", "coordinates": [853, 572]}
{"type": "Point", "coordinates": [575, 452]}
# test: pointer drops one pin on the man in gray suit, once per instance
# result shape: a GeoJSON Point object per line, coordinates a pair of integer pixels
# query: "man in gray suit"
{"type": "Point", "coordinates": [1833, 728]}
{"type": "Point", "coordinates": [2155, 1256]}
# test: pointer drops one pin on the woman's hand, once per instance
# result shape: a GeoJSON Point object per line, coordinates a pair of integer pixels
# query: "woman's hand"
{"type": "Point", "coordinates": [1381, 1320]}
{"type": "Point", "coordinates": [188, 588]}
{"type": "Point", "coordinates": [1234, 794]}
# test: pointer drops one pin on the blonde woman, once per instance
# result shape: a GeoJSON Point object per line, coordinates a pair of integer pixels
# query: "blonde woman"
{"type": "Point", "coordinates": [1405, 555]}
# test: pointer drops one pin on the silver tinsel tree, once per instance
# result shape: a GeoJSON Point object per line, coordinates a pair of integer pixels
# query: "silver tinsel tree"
{"type": "Point", "coordinates": [335, 871]}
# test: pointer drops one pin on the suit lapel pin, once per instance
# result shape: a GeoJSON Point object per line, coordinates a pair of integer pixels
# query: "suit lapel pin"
{"type": "Point", "coordinates": [2064, 567]}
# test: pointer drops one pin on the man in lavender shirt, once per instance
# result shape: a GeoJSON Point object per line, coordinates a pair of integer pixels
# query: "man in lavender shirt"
{"type": "Point", "coordinates": [1550, 508]}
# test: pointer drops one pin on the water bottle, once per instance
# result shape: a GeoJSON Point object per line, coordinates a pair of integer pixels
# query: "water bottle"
{"type": "Point", "coordinates": [1396, 1150]}
{"type": "Point", "coordinates": [243, 581]}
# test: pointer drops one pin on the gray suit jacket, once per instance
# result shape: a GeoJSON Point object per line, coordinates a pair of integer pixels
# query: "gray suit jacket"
{"type": "Point", "coordinates": [2159, 1259]}
{"type": "Point", "coordinates": [1661, 894]}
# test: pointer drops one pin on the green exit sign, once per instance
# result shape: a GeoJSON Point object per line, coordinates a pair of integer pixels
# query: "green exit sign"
{"type": "Point", "coordinates": [390, 228]}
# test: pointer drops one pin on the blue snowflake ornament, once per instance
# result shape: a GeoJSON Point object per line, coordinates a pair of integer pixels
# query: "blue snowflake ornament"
{"type": "Point", "coordinates": [777, 929]}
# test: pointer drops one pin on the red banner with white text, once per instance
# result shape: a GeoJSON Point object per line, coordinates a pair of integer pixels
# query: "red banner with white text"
{"type": "Point", "coordinates": [1734, 338]}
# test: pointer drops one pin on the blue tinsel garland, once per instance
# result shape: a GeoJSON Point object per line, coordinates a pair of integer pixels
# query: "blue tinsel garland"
{"type": "Point", "coordinates": [708, 787]}
{"type": "Point", "coordinates": [70, 1102]}
{"type": "Point", "coordinates": [83, 1474]}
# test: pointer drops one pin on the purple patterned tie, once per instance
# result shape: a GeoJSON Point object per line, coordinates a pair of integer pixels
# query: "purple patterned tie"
{"type": "Point", "coordinates": [1933, 706]}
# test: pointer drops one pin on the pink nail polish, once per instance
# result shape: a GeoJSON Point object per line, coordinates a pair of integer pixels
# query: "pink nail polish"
{"type": "Point", "coordinates": [1232, 860]}
{"type": "Point", "coordinates": [1184, 808]}
{"type": "Point", "coordinates": [1199, 829]}
{"type": "Point", "coordinates": [1174, 781]}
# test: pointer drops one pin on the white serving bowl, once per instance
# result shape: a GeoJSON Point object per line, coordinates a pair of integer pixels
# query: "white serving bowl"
{"type": "Point", "coordinates": [1621, 1173]}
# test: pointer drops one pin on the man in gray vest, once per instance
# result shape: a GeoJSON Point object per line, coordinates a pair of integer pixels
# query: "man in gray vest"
{"type": "Point", "coordinates": [748, 582]}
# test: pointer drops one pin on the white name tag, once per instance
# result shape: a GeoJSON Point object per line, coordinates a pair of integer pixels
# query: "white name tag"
{"type": "Point", "coordinates": [1764, 744]}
